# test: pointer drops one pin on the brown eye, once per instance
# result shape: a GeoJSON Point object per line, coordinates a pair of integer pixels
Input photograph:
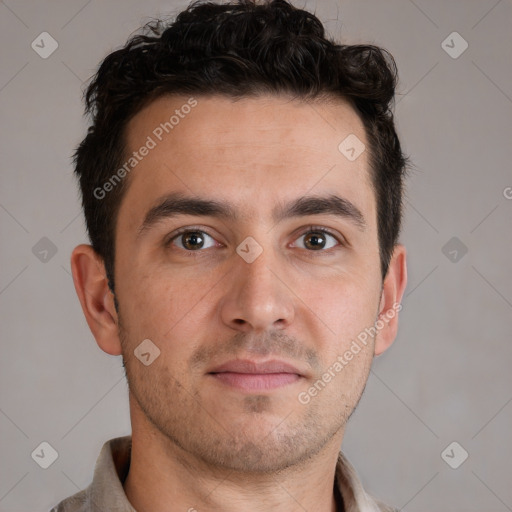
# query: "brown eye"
{"type": "Point", "coordinates": [192, 240]}
{"type": "Point", "coordinates": [317, 240]}
{"type": "Point", "coordinates": [314, 241]}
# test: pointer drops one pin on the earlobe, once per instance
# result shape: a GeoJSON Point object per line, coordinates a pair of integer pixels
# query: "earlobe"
{"type": "Point", "coordinates": [95, 297]}
{"type": "Point", "coordinates": [390, 303]}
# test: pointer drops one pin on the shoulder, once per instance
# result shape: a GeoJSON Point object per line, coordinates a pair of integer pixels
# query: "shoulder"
{"type": "Point", "coordinates": [76, 503]}
{"type": "Point", "coordinates": [355, 498]}
{"type": "Point", "coordinates": [382, 507]}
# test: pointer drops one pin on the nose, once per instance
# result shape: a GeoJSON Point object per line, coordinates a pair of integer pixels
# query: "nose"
{"type": "Point", "coordinates": [256, 297]}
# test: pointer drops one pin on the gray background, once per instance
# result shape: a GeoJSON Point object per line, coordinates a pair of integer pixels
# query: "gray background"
{"type": "Point", "coordinates": [447, 377]}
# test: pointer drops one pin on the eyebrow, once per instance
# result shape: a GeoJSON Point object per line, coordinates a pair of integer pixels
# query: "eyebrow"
{"type": "Point", "coordinates": [175, 204]}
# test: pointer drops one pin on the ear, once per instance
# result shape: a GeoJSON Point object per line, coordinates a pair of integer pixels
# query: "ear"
{"type": "Point", "coordinates": [91, 284]}
{"type": "Point", "coordinates": [392, 292]}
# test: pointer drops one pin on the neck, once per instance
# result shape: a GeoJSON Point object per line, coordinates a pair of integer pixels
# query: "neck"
{"type": "Point", "coordinates": [161, 473]}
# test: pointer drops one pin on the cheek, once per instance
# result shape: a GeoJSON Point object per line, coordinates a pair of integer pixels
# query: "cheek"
{"type": "Point", "coordinates": [165, 308]}
{"type": "Point", "coordinates": [348, 350]}
{"type": "Point", "coordinates": [345, 308]}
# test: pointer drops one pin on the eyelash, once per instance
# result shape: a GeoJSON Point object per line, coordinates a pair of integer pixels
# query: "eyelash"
{"type": "Point", "coordinates": [310, 229]}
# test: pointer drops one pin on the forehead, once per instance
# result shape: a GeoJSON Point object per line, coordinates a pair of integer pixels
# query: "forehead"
{"type": "Point", "coordinates": [256, 150]}
{"type": "Point", "coordinates": [220, 121]}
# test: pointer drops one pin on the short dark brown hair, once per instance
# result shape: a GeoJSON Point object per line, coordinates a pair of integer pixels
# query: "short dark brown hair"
{"type": "Point", "coordinates": [239, 49]}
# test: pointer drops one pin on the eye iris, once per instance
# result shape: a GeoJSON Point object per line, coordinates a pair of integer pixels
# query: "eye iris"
{"type": "Point", "coordinates": [314, 239]}
{"type": "Point", "coordinates": [192, 240]}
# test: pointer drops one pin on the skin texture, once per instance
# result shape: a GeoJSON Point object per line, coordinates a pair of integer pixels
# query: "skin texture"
{"type": "Point", "coordinates": [197, 442]}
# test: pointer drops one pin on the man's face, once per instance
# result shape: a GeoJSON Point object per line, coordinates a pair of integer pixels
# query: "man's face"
{"type": "Point", "coordinates": [204, 298]}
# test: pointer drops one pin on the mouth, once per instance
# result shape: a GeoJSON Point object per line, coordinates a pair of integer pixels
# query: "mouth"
{"type": "Point", "coordinates": [246, 375]}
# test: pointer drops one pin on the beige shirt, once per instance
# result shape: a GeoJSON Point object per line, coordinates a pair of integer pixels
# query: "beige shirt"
{"type": "Point", "coordinates": [106, 493]}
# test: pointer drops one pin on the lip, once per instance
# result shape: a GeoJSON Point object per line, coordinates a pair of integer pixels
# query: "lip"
{"type": "Point", "coordinates": [253, 376]}
{"type": "Point", "coordinates": [253, 367]}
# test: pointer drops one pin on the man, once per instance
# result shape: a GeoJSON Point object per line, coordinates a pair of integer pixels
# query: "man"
{"type": "Point", "coordinates": [242, 188]}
